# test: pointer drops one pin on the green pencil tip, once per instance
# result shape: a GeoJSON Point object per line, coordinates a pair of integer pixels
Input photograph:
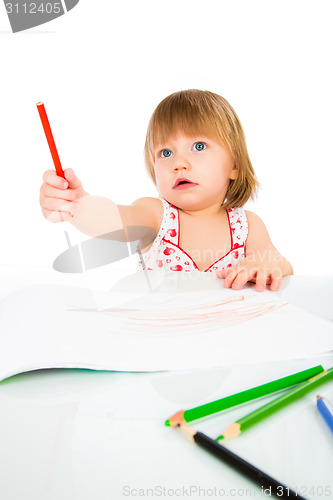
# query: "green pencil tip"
{"type": "Point", "coordinates": [167, 423]}
{"type": "Point", "coordinates": [219, 438]}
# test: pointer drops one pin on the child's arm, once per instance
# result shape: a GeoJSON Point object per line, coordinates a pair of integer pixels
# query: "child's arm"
{"type": "Point", "coordinates": [65, 200]}
{"type": "Point", "coordinates": [262, 264]}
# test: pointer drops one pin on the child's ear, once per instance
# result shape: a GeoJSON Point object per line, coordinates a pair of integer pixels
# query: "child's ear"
{"type": "Point", "coordinates": [234, 173]}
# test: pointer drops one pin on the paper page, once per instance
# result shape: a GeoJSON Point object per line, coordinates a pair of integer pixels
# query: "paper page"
{"type": "Point", "coordinates": [46, 326]}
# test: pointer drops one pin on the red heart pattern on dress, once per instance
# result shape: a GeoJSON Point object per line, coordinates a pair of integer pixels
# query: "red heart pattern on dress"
{"type": "Point", "coordinates": [177, 259]}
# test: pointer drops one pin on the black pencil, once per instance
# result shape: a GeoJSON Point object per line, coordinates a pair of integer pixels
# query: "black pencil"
{"type": "Point", "coordinates": [273, 486]}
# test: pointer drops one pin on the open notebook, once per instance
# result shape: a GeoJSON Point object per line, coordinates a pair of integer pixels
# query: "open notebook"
{"type": "Point", "coordinates": [152, 328]}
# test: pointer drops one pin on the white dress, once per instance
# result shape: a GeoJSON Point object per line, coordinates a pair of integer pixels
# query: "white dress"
{"type": "Point", "coordinates": [166, 253]}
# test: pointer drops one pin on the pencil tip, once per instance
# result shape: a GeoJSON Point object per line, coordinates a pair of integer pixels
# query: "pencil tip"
{"type": "Point", "coordinates": [167, 423]}
{"type": "Point", "coordinates": [232, 431]}
{"type": "Point", "coordinates": [219, 438]}
{"type": "Point", "coordinates": [319, 397]}
{"type": "Point", "coordinates": [176, 419]}
{"type": "Point", "coordinates": [190, 432]}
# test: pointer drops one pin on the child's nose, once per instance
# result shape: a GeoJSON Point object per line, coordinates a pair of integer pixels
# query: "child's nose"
{"type": "Point", "coordinates": [182, 162]}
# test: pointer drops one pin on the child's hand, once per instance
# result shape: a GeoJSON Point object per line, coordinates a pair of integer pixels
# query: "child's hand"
{"type": "Point", "coordinates": [263, 264]}
{"type": "Point", "coordinates": [262, 268]}
{"type": "Point", "coordinates": [58, 196]}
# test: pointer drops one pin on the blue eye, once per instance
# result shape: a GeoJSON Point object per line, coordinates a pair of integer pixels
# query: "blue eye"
{"type": "Point", "coordinates": [199, 146]}
{"type": "Point", "coordinates": [165, 153]}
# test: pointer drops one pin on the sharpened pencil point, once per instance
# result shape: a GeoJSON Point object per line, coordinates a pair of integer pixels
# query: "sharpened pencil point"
{"type": "Point", "coordinates": [188, 430]}
{"type": "Point", "coordinates": [232, 431]}
{"type": "Point", "coordinates": [167, 423]}
{"type": "Point", "coordinates": [177, 419]}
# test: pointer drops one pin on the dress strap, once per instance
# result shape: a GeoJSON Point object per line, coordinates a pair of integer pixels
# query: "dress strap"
{"type": "Point", "coordinates": [163, 226]}
{"type": "Point", "coordinates": [170, 226]}
{"type": "Point", "coordinates": [238, 226]}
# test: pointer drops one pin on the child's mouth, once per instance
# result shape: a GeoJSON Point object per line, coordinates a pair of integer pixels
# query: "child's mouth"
{"type": "Point", "coordinates": [183, 183]}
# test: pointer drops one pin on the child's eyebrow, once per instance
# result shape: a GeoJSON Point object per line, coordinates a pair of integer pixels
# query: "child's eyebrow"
{"type": "Point", "coordinates": [159, 147]}
{"type": "Point", "coordinates": [195, 138]}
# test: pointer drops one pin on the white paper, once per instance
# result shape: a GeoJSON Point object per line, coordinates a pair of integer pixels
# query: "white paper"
{"type": "Point", "coordinates": [49, 326]}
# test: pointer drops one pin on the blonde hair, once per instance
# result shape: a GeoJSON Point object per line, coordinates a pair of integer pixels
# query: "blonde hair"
{"type": "Point", "coordinates": [196, 112]}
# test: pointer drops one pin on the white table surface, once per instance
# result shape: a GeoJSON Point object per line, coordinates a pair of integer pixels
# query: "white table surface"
{"type": "Point", "coordinates": [80, 434]}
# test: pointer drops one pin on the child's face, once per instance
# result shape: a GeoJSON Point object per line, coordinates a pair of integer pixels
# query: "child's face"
{"type": "Point", "coordinates": [202, 161]}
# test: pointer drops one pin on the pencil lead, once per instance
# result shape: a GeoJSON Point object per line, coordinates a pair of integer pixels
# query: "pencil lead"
{"type": "Point", "coordinates": [176, 419]}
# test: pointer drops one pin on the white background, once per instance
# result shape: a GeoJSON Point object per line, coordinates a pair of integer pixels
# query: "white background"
{"type": "Point", "coordinates": [102, 70]}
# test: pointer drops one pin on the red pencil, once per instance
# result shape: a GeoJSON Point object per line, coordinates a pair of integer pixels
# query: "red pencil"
{"type": "Point", "coordinates": [50, 140]}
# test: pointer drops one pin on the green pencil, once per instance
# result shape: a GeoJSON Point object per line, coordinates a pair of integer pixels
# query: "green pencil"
{"type": "Point", "coordinates": [252, 418]}
{"type": "Point", "coordinates": [183, 417]}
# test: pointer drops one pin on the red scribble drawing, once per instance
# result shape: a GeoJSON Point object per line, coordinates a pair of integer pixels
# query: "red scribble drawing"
{"type": "Point", "coordinates": [177, 316]}
{"type": "Point", "coordinates": [189, 321]}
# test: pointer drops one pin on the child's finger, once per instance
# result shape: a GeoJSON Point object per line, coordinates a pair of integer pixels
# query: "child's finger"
{"type": "Point", "coordinates": [240, 280]}
{"type": "Point", "coordinates": [64, 194]}
{"type": "Point", "coordinates": [276, 281]}
{"type": "Point", "coordinates": [50, 177]}
{"type": "Point", "coordinates": [223, 273]}
{"type": "Point", "coordinates": [73, 181]}
{"type": "Point", "coordinates": [261, 279]}
{"type": "Point", "coordinates": [235, 278]}
{"type": "Point", "coordinates": [56, 204]}
{"type": "Point", "coordinates": [245, 275]}
{"type": "Point", "coordinates": [231, 273]}
{"type": "Point", "coordinates": [55, 217]}
{"type": "Point", "coordinates": [230, 276]}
